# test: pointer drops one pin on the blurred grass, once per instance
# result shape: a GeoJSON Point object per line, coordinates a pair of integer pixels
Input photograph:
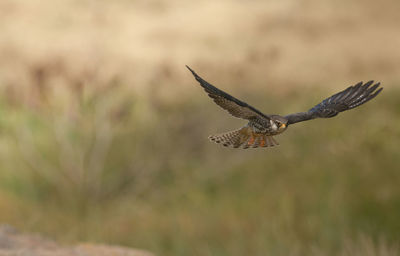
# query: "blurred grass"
{"type": "Point", "coordinates": [103, 132]}
{"type": "Point", "coordinates": [107, 165]}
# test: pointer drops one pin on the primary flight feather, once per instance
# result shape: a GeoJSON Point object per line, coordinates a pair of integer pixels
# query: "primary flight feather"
{"type": "Point", "coordinates": [261, 127]}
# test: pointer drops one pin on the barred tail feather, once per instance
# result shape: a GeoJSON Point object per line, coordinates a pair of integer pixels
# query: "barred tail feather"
{"type": "Point", "coordinates": [244, 137]}
{"type": "Point", "coordinates": [231, 139]}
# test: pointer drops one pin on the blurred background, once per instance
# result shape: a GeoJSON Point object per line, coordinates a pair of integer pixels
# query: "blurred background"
{"type": "Point", "coordinates": [103, 131]}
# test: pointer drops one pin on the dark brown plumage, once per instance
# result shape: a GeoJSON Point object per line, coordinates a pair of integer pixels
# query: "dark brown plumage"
{"type": "Point", "coordinates": [261, 127]}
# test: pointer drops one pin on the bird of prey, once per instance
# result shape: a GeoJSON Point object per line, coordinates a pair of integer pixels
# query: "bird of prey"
{"type": "Point", "coordinates": [262, 127]}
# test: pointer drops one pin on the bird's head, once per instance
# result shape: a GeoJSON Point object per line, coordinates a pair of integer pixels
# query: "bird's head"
{"type": "Point", "coordinates": [280, 122]}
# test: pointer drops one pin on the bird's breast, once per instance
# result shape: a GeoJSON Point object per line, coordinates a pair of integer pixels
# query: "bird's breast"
{"type": "Point", "coordinates": [266, 128]}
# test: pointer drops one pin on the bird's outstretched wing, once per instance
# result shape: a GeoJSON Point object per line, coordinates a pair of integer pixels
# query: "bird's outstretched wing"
{"type": "Point", "coordinates": [234, 106]}
{"type": "Point", "coordinates": [349, 98]}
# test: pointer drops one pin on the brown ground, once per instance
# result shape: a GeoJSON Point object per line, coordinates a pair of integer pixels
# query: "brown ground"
{"type": "Point", "coordinates": [14, 243]}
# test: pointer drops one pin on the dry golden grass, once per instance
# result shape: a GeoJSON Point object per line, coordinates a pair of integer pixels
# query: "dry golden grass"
{"type": "Point", "coordinates": [274, 44]}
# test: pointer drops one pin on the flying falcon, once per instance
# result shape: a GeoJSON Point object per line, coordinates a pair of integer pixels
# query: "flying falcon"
{"type": "Point", "coordinates": [261, 127]}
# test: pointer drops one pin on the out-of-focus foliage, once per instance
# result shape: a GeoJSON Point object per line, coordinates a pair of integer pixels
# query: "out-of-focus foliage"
{"type": "Point", "coordinates": [103, 133]}
{"type": "Point", "coordinates": [112, 166]}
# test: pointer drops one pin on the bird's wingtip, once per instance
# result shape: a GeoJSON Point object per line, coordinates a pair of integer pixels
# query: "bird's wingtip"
{"type": "Point", "coordinates": [188, 68]}
{"type": "Point", "coordinates": [194, 73]}
{"type": "Point", "coordinates": [378, 85]}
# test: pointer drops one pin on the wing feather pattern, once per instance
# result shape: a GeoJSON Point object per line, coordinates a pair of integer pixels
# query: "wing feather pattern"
{"type": "Point", "coordinates": [349, 98]}
{"type": "Point", "coordinates": [234, 106]}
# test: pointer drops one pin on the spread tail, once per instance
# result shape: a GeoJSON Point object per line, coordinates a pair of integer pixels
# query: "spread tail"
{"type": "Point", "coordinates": [244, 137]}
